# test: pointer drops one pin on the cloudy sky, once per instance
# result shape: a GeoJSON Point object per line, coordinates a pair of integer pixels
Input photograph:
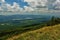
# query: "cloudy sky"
{"type": "Point", "coordinates": [28, 5]}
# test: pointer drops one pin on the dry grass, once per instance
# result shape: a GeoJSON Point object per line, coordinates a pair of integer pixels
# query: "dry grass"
{"type": "Point", "coordinates": [46, 33]}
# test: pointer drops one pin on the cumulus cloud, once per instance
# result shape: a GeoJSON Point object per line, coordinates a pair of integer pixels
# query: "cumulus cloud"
{"type": "Point", "coordinates": [35, 3]}
{"type": "Point", "coordinates": [1, 9]}
{"type": "Point", "coordinates": [15, 7]}
{"type": "Point", "coordinates": [2, 1]}
{"type": "Point", "coordinates": [8, 7]}
{"type": "Point", "coordinates": [57, 4]}
{"type": "Point", "coordinates": [28, 9]}
{"type": "Point", "coordinates": [42, 4]}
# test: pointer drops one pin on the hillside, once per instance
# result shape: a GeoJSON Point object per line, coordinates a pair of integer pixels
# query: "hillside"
{"type": "Point", "coordinates": [45, 33]}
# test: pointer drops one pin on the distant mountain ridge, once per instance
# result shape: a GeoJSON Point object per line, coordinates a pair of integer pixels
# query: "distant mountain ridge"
{"type": "Point", "coordinates": [16, 17]}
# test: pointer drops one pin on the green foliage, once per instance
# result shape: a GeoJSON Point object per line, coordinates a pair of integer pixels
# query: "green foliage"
{"type": "Point", "coordinates": [46, 33]}
{"type": "Point", "coordinates": [53, 21]}
{"type": "Point", "coordinates": [26, 25]}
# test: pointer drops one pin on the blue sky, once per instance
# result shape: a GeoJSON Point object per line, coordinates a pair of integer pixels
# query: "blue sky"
{"type": "Point", "coordinates": [20, 2]}
{"type": "Point", "coordinates": [28, 5]}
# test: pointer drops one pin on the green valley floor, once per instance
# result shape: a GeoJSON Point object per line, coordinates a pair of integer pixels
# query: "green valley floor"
{"type": "Point", "coordinates": [45, 33]}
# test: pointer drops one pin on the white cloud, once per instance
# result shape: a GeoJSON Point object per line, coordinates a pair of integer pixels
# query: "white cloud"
{"type": "Point", "coordinates": [3, 0]}
{"type": "Point", "coordinates": [29, 0]}
{"type": "Point", "coordinates": [15, 7]}
{"type": "Point", "coordinates": [57, 4]}
{"type": "Point", "coordinates": [33, 5]}
{"type": "Point", "coordinates": [42, 4]}
{"type": "Point", "coordinates": [36, 4]}
{"type": "Point", "coordinates": [58, 0]}
{"type": "Point", "coordinates": [8, 7]}
{"type": "Point", "coordinates": [1, 9]}
{"type": "Point", "coordinates": [28, 9]}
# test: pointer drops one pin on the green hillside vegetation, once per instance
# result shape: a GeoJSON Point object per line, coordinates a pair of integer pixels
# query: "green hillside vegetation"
{"type": "Point", "coordinates": [7, 34]}
{"type": "Point", "coordinates": [53, 21]}
{"type": "Point", "coordinates": [46, 33]}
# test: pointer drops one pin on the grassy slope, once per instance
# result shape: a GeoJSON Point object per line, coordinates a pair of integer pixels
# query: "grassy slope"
{"type": "Point", "coordinates": [45, 33]}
